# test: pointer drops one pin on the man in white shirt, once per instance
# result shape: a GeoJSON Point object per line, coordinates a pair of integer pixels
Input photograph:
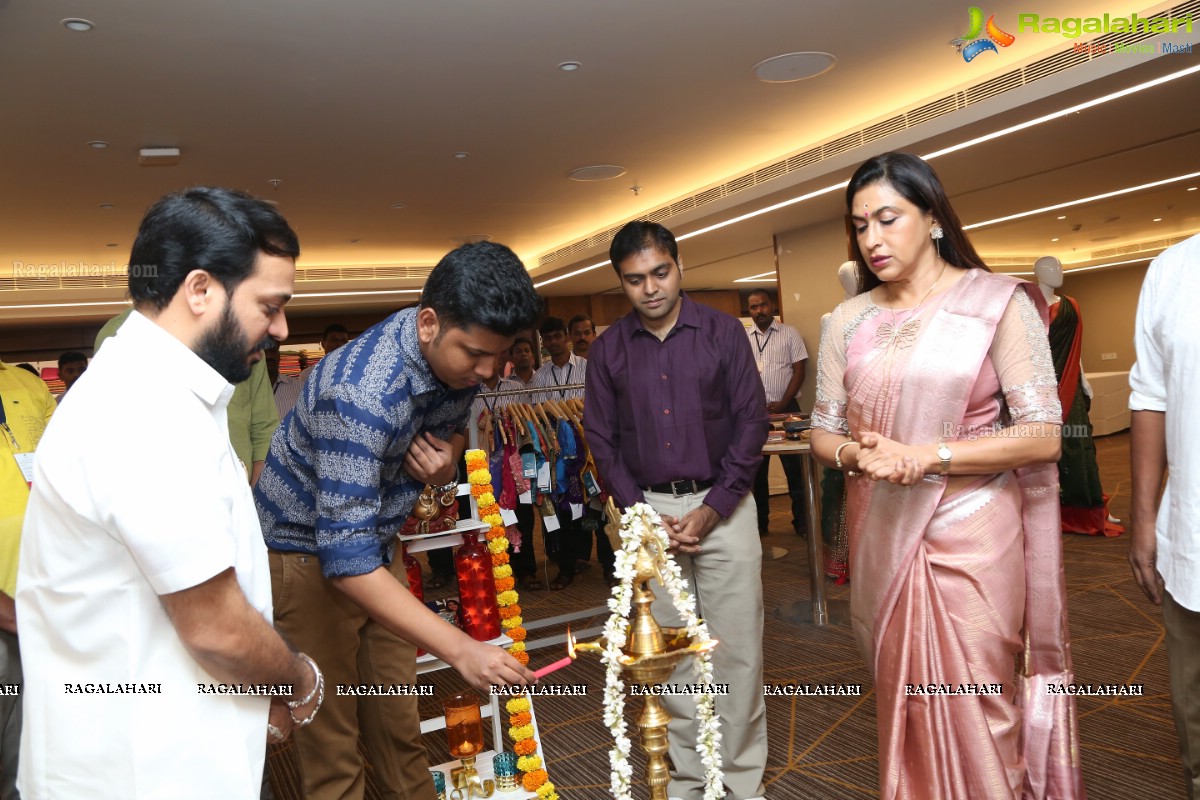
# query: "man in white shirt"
{"type": "Point", "coordinates": [285, 388]}
{"type": "Point", "coordinates": [522, 372]}
{"type": "Point", "coordinates": [582, 332]}
{"type": "Point", "coordinates": [563, 369]}
{"type": "Point", "coordinates": [781, 357]}
{"type": "Point", "coordinates": [143, 589]}
{"type": "Point", "coordinates": [1164, 545]}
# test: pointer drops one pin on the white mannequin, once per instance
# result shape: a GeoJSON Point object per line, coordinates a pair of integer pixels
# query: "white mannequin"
{"type": "Point", "coordinates": [1049, 273]}
{"type": "Point", "coordinates": [848, 278]}
{"type": "Point", "coordinates": [1048, 270]}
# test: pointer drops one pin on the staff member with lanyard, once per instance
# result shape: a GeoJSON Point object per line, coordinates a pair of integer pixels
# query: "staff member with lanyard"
{"type": "Point", "coordinates": [781, 357]}
{"type": "Point", "coordinates": [25, 407]}
{"type": "Point", "coordinates": [563, 369]}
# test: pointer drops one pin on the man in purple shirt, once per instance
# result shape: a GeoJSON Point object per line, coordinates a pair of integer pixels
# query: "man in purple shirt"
{"type": "Point", "coordinates": [676, 417]}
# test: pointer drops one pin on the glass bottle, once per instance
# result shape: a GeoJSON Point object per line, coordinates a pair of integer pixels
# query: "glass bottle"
{"type": "Point", "coordinates": [478, 611]}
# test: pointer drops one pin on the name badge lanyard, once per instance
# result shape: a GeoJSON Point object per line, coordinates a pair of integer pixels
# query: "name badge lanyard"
{"type": "Point", "coordinates": [762, 346]}
{"type": "Point", "coordinates": [567, 380]}
{"type": "Point", "coordinates": [4, 425]}
{"type": "Point", "coordinates": [490, 405]}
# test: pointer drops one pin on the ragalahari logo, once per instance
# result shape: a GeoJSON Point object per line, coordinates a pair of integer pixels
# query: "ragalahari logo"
{"type": "Point", "coordinates": [972, 45]}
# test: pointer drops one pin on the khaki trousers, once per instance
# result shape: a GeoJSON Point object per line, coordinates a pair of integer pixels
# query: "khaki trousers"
{"type": "Point", "coordinates": [726, 580]}
{"type": "Point", "coordinates": [1183, 663]}
{"type": "Point", "coordinates": [319, 620]}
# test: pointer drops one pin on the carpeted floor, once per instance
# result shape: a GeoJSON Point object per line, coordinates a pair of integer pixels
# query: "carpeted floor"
{"type": "Point", "coordinates": [825, 747]}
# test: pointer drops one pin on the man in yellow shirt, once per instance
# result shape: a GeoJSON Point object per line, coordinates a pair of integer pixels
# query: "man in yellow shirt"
{"type": "Point", "coordinates": [25, 408]}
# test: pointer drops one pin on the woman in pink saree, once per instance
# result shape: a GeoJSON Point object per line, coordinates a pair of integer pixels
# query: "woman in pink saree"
{"type": "Point", "coordinates": [936, 394]}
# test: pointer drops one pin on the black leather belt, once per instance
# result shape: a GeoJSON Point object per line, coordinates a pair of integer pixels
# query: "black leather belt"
{"type": "Point", "coordinates": [679, 488]}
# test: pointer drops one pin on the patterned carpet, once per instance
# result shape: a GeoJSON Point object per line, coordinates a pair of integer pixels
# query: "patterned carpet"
{"type": "Point", "coordinates": [825, 747]}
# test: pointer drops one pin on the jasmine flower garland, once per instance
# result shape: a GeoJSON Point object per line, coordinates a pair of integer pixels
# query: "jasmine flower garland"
{"type": "Point", "coordinates": [640, 523]}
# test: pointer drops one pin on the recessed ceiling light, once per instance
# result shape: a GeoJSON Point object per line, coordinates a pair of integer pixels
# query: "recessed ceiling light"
{"type": "Point", "coordinates": [461, 154]}
{"type": "Point", "coordinates": [569, 66]}
{"type": "Point", "coordinates": [596, 172]}
{"type": "Point", "coordinates": [106, 206]}
{"type": "Point", "coordinates": [1063, 216]}
{"type": "Point", "coordinates": [1158, 219]}
{"type": "Point", "coordinates": [1191, 188]}
{"type": "Point", "coordinates": [397, 206]}
{"type": "Point", "coordinates": [96, 144]}
{"type": "Point", "coordinates": [793, 67]}
{"type": "Point", "coordinates": [77, 25]}
{"type": "Point", "coordinates": [1055, 239]}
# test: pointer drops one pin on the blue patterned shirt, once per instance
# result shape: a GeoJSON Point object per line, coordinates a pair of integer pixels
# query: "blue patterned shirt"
{"type": "Point", "coordinates": [334, 483]}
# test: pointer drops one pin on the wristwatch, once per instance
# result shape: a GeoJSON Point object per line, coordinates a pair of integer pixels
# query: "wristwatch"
{"type": "Point", "coordinates": [943, 452]}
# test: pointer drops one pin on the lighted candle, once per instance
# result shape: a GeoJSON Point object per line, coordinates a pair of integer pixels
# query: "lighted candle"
{"type": "Point", "coordinates": [557, 665]}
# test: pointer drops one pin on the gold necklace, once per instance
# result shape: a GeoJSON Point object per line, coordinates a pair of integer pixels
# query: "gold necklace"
{"type": "Point", "coordinates": [902, 336]}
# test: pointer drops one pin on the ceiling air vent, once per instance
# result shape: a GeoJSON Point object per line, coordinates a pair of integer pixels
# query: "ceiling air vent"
{"type": "Point", "coordinates": [998, 85]}
{"type": "Point", "coordinates": [1050, 65]}
{"type": "Point", "coordinates": [882, 129]}
{"type": "Point", "coordinates": [841, 145]}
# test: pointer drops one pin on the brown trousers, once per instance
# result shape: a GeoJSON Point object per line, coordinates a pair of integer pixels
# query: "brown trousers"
{"type": "Point", "coordinates": [1183, 664]}
{"type": "Point", "coordinates": [350, 650]}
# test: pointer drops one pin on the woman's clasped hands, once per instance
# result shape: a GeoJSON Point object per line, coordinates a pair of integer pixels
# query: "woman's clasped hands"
{"type": "Point", "coordinates": [883, 459]}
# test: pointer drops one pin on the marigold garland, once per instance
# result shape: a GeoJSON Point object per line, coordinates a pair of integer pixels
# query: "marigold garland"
{"type": "Point", "coordinates": [520, 717]}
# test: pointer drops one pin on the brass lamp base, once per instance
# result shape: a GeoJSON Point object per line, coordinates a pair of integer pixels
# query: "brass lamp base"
{"type": "Point", "coordinates": [467, 783]}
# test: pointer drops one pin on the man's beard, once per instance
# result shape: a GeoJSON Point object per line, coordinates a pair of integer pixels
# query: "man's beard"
{"type": "Point", "coordinates": [224, 348]}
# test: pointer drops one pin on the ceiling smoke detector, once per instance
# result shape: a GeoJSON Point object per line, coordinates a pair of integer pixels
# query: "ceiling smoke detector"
{"type": "Point", "coordinates": [159, 156]}
{"type": "Point", "coordinates": [596, 172]}
{"type": "Point", "coordinates": [793, 67]}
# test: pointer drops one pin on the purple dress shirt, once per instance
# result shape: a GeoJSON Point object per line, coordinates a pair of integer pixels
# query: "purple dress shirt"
{"type": "Point", "coordinates": [689, 406]}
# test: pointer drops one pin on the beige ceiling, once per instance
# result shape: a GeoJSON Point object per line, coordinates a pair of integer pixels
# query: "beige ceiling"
{"type": "Point", "coordinates": [359, 105]}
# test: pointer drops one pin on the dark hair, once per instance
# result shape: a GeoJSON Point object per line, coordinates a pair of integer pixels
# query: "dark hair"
{"type": "Point", "coordinates": [334, 328]}
{"type": "Point", "coordinates": [641, 235]}
{"type": "Point", "coordinates": [71, 357]}
{"type": "Point", "coordinates": [552, 325]}
{"type": "Point", "coordinates": [916, 182]}
{"type": "Point", "coordinates": [763, 292]}
{"type": "Point", "coordinates": [220, 231]}
{"type": "Point", "coordinates": [484, 284]}
{"type": "Point", "coordinates": [578, 318]}
{"type": "Point", "coordinates": [522, 340]}
{"type": "Point", "coordinates": [29, 368]}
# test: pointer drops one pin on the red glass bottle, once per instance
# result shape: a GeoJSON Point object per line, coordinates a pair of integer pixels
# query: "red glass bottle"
{"type": "Point", "coordinates": [478, 612]}
{"type": "Point", "coordinates": [412, 568]}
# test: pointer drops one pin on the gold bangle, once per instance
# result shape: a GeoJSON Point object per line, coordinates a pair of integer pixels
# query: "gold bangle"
{"type": "Point", "coordinates": [837, 454]}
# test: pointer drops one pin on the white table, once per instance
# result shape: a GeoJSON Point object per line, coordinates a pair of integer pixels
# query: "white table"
{"type": "Point", "coordinates": [1110, 402]}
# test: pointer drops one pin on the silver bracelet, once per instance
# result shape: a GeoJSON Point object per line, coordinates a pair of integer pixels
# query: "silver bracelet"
{"type": "Point", "coordinates": [318, 690]}
{"type": "Point", "coordinates": [320, 699]}
{"type": "Point", "coordinates": [837, 454]}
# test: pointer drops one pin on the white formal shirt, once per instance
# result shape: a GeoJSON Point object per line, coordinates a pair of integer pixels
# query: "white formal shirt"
{"type": "Point", "coordinates": [287, 391]}
{"type": "Point", "coordinates": [486, 402]}
{"type": "Point", "coordinates": [775, 351]}
{"type": "Point", "coordinates": [136, 493]}
{"type": "Point", "coordinates": [1166, 377]}
{"type": "Point", "coordinates": [549, 375]}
